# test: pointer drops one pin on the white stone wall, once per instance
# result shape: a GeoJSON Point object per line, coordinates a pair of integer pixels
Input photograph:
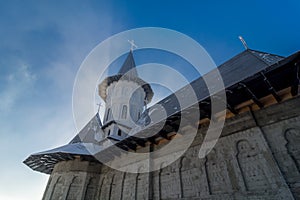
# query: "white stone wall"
{"type": "Point", "coordinates": [73, 180]}
{"type": "Point", "coordinates": [257, 157]}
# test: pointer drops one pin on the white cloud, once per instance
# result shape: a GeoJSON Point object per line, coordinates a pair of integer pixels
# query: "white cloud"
{"type": "Point", "coordinates": [36, 94]}
{"type": "Point", "coordinates": [17, 84]}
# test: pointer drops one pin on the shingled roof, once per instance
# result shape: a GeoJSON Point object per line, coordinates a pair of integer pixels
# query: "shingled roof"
{"type": "Point", "coordinates": [247, 67]}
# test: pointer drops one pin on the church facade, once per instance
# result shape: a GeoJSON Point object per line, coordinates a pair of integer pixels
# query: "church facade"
{"type": "Point", "coordinates": [256, 157]}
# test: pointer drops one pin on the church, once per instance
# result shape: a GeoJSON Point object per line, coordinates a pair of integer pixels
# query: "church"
{"type": "Point", "coordinates": [256, 157]}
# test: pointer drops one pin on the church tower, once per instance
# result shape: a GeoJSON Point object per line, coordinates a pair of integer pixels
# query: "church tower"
{"type": "Point", "coordinates": [126, 96]}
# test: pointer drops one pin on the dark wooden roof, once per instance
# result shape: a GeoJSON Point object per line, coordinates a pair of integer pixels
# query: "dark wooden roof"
{"type": "Point", "coordinates": [238, 68]}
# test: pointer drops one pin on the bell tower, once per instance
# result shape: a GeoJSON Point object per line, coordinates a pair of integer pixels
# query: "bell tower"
{"type": "Point", "coordinates": [126, 96]}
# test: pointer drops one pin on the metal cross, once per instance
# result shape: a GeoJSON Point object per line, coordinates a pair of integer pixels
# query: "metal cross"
{"type": "Point", "coordinates": [99, 105]}
{"type": "Point", "coordinates": [133, 46]}
{"type": "Point", "coordinates": [243, 42]}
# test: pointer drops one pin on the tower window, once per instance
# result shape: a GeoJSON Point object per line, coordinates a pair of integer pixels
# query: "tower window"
{"type": "Point", "coordinates": [124, 112]}
{"type": "Point", "coordinates": [108, 113]}
{"type": "Point", "coordinates": [119, 132]}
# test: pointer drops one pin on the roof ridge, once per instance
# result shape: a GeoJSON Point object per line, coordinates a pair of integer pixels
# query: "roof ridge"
{"type": "Point", "coordinates": [267, 58]}
{"type": "Point", "coordinates": [258, 51]}
{"type": "Point", "coordinates": [256, 56]}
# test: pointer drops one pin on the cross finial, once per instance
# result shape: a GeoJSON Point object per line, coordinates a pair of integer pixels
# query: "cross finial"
{"type": "Point", "coordinates": [243, 42]}
{"type": "Point", "coordinates": [99, 105]}
{"type": "Point", "coordinates": [133, 46]}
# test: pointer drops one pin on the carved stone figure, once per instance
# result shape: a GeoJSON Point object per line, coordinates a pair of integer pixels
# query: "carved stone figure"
{"type": "Point", "coordinates": [249, 161]}
{"type": "Point", "coordinates": [170, 182]}
{"type": "Point", "coordinates": [292, 136]}
{"type": "Point", "coordinates": [217, 174]}
{"type": "Point", "coordinates": [129, 186]}
{"type": "Point", "coordinates": [58, 189]}
{"type": "Point", "coordinates": [90, 189]}
{"type": "Point", "coordinates": [74, 189]}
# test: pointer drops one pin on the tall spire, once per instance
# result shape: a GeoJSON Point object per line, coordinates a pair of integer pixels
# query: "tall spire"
{"type": "Point", "coordinates": [127, 72]}
{"type": "Point", "coordinates": [128, 68]}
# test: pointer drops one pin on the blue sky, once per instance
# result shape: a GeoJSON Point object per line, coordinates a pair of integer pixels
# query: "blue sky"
{"type": "Point", "coordinates": [44, 42]}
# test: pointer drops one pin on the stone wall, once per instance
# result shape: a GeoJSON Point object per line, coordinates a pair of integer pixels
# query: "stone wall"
{"type": "Point", "coordinates": [257, 157]}
{"type": "Point", "coordinates": [73, 180]}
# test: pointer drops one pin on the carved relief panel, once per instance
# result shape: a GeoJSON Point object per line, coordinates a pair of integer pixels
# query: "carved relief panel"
{"type": "Point", "coordinates": [129, 186]}
{"type": "Point", "coordinates": [250, 163]}
{"type": "Point", "coordinates": [283, 138]}
{"type": "Point", "coordinates": [292, 135]}
{"type": "Point", "coordinates": [90, 189]}
{"type": "Point", "coordinates": [217, 174]}
{"type": "Point", "coordinates": [106, 186]}
{"type": "Point", "coordinates": [169, 181]}
{"type": "Point", "coordinates": [192, 175]}
{"type": "Point", "coordinates": [57, 191]}
{"type": "Point", "coordinates": [116, 187]}
{"type": "Point", "coordinates": [74, 189]}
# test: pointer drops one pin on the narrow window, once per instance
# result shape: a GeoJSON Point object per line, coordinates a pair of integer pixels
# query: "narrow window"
{"type": "Point", "coordinates": [119, 132]}
{"type": "Point", "coordinates": [124, 112]}
{"type": "Point", "coordinates": [108, 132]}
{"type": "Point", "coordinates": [108, 113]}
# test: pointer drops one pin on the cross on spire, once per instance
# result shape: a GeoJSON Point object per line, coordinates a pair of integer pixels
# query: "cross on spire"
{"type": "Point", "coordinates": [243, 42]}
{"type": "Point", "coordinates": [133, 46]}
{"type": "Point", "coordinates": [99, 105]}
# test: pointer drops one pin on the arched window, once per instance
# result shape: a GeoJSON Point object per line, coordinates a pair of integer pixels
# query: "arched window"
{"type": "Point", "coordinates": [119, 132]}
{"type": "Point", "coordinates": [108, 132]}
{"type": "Point", "coordinates": [124, 112]}
{"type": "Point", "coordinates": [108, 113]}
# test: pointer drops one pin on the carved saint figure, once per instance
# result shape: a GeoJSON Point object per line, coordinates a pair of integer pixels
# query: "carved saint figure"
{"type": "Point", "coordinates": [217, 174]}
{"type": "Point", "coordinates": [74, 189]}
{"type": "Point", "coordinates": [90, 189]}
{"type": "Point", "coordinates": [292, 136]}
{"type": "Point", "coordinates": [251, 166]}
{"type": "Point", "coordinates": [170, 182]}
{"type": "Point", "coordinates": [57, 191]}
